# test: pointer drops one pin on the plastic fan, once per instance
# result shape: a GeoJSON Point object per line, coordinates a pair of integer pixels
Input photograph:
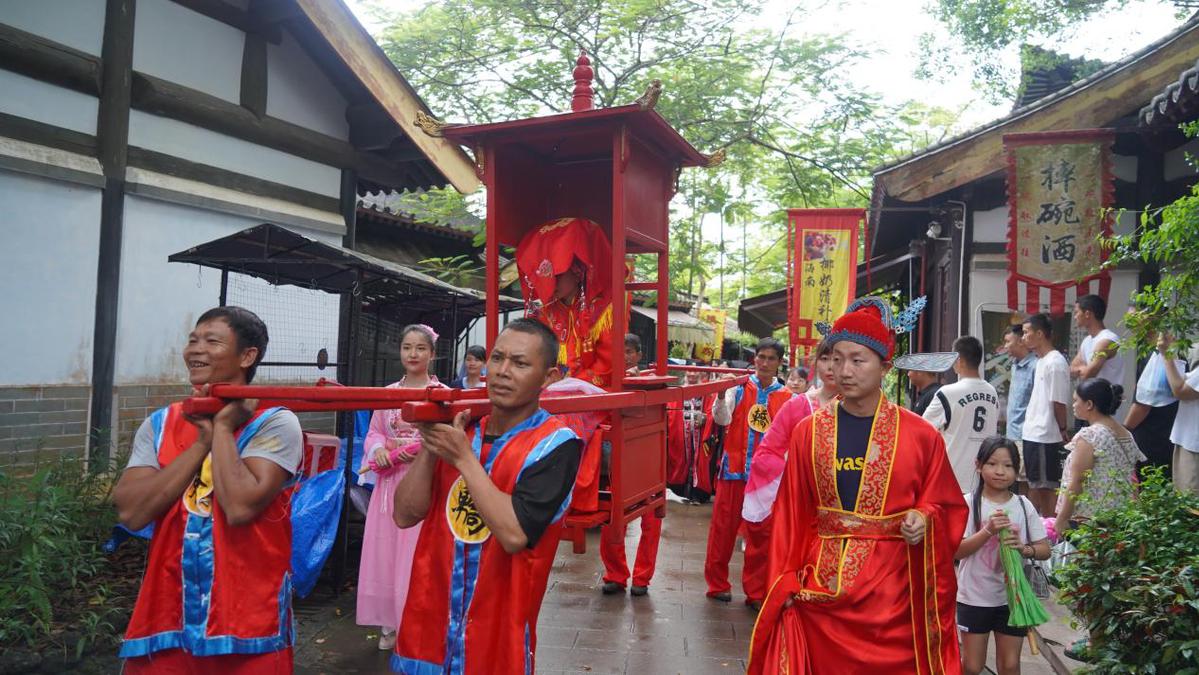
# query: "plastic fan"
{"type": "Point", "coordinates": [1024, 610]}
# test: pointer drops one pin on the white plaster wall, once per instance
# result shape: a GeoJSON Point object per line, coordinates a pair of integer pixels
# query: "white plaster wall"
{"type": "Point", "coordinates": [160, 301]}
{"type": "Point", "coordinates": [49, 235]}
{"type": "Point", "coordinates": [991, 226]}
{"type": "Point", "coordinates": [1175, 161]}
{"type": "Point", "coordinates": [75, 23]}
{"type": "Point", "coordinates": [36, 100]}
{"type": "Point", "coordinates": [188, 48]}
{"type": "Point", "coordinates": [298, 91]}
{"type": "Point", "coordinates": [209, 147]}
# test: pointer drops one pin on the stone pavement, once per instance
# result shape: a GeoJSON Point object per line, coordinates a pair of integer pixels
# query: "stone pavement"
{"type": "Point", "coordinates": [674, 629]}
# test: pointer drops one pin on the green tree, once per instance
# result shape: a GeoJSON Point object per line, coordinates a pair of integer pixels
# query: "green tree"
{"type": "Point", "coordinates": [796, 131]}
{"type": "Point", "coordinates": [983, 30]}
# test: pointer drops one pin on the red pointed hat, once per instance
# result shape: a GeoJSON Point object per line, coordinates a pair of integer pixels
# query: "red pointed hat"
{"type": "Point", "coordinates": [551, 248]}
{"type": "Point", "coordinates": [868, 321]}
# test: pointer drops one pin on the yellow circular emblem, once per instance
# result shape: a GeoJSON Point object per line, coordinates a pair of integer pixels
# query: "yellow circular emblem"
{"type": "Point", "coordinates": [759, 418]}
{"type": "Point", "coordinates": [465, 521]}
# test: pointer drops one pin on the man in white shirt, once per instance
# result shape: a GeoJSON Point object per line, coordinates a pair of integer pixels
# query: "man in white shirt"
{"type": "Point", "coordinates": [965, 412]}
{"type": "Point", "coordinates": [1185, 434]}
{"type": "Point", "coordinates": [1044, 432]}
{"type": "Point", "coordinates": [1099, 353]}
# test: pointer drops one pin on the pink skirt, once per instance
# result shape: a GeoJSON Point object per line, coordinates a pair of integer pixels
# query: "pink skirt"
{"type": "Point", "coordinates": [386, 558]}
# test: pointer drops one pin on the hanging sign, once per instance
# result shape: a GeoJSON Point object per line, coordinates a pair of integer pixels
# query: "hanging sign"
{"type": "Point", "coordinates": [823, 262]}
{"type": "Point", "coordinates": [714, 318]}
{"type": "Point", "coordinates": [1059, 189]}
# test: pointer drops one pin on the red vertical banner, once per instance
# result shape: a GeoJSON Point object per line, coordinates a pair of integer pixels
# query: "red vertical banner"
{"type": "Point", "coordinates": [823, 262]}
{"type": "Point", "coordinates": [1059, 191]}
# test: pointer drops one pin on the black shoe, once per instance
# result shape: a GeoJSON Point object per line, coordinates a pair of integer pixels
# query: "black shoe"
{"type": "Point", "coordinates": [722, 597]}
{"type": "Point", "coordinates": [753, 605]}
{"type": "Point", "coordinates": [638, 590]}
{"type": "Point", "coordinates": [611, 588]}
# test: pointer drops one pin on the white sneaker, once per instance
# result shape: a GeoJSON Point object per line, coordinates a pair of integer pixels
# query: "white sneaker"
{"type": "Point", "coordinates": [387, 640]}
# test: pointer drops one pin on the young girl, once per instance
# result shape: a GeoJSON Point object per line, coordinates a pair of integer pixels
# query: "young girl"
{"type": "Point", "coordinates": [982, 600]}
{"type": "Point", "coordinates": [472, 369]}
{"type": "Point", "coordinates": [392, 444]}
{"type": "Point", "coordinates": [827, 391]}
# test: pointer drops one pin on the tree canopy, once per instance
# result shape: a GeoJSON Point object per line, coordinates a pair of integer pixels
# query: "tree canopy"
{"type": "Point", "coordinates": [796, 131]}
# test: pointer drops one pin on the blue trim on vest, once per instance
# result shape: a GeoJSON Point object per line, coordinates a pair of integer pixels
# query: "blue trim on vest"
{"type": "Point", "coordinates": [197, 568]}
{"type": "Point", "coordinates": [752, 437]}
{"type": "Point", "coordinates": [158, 424]}
{"type": "Point", "coordinates": [528, 652]}
{"type": "Point", "coordinates": [407, 666]}
{"type": "Point", "coordinates": [466, 560]}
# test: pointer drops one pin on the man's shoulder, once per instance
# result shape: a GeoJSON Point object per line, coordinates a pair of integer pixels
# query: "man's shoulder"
{"type": "Point", "coordinates": [1052, 361]}
{"type": "Point", "coordinates": [282, 419]}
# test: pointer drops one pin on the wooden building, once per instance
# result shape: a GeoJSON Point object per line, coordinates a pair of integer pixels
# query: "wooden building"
{"type": "Point", "coordinates": [133, 129]}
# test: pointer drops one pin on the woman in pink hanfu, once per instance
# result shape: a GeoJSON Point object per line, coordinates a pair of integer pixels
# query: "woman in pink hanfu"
{"type": "Point", "coordinates": [391, 445]}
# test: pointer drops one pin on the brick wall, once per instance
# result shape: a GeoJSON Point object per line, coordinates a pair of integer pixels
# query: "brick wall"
{"type": "Point", "coordinates": [41, 424]}
{"type": "Point", "coordinates": [44, 423]}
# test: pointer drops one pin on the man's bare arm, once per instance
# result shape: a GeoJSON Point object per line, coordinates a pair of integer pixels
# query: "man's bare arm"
{"type": "Point", "coordinates": [414, 493]}
{"type": "Point", "coordinates": [144, 493]}
{"type": "Point", "coordinates": [243, 488]}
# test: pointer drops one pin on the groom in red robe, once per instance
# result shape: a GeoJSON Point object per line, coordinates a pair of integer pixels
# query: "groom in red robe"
{"type": "Point", "coordinates": [866, 523]}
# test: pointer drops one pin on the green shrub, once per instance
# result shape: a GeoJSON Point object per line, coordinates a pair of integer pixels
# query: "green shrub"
{"type": "Point", "coordinates": [1134, 582]}
{"type": "Point", "coordinates": [58, 589]}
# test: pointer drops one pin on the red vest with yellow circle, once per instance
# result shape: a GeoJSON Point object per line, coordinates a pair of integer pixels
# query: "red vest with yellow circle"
{"type": "Point", "coordinates": [472, 607]}
{"type": "Point", "coordinates": [211, 588]}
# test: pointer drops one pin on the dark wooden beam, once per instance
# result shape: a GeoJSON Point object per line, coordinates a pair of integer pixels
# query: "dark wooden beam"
{"type": "Point", "coordinates": [212, 175]}
{"type": "Point", "coordinates": [371, 127]}
{"type": "Point", "coordinates": [233, 16]}
{"type": "Point", "coordinates": [35, 56]}
{"type": "Point", "coordinates": [160, 97]}
{"type": "Point", "coordinates": [112, 141]}
{"type": "Point", "coordinates": [275, 11]}
{"type": "Point", "coordinates": [254, 75]}
{"type": "Point", "coordinates": [48, 135]}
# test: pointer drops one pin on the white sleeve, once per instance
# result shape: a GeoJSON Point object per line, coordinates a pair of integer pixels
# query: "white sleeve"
{"type": "Point", "coordinates": [934, 414]}
{"type": "Point", "coordinates": [1059, 385]}
{"type": "Point", "coordinates": [722, 408]}
{"type": "Point", "coordinates": [143, 452]}
{"type": "Point", "coordinates": [279, 440]}
{"type": "Point", "coordinates": [1036, 524]}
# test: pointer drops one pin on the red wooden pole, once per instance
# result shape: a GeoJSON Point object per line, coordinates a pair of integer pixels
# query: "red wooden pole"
{"type": "Point", "coordinates": [583, 98]}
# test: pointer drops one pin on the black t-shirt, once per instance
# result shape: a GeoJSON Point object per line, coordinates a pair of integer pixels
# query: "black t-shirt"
{"type": "Point", "coordinates": [542, 488]}
{"type": "Point", "coordinates": [924, 398]}
{"type": "Point", "coordinates": [853, 437]}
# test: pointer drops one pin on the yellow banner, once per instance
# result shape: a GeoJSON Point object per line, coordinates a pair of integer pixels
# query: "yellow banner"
{"type": "Point", "coordinates": [715, 318]}
{"type": "Point", "coordinates": [825, 271]}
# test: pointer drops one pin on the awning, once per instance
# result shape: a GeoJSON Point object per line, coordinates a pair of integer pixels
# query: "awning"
{"type": "Point", "coordinates": [282, 257]}
{"type": "Point", "coordinates": [680, 326]}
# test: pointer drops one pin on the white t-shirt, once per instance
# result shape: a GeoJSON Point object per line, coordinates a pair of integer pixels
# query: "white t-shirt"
{"type": "Point", "coordinates": [1186, 422]}
{"type": "Point", "coordinates": [980, 575]}
{"type": "Point", "coordinates": [1113, 367]}
{"type": "Point", "coordinates": [971, 416]}
{"type": "Point", "coordinates": [1050, 384]}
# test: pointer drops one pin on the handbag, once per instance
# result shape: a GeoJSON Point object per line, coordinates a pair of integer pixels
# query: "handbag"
{"type": "Point", "coordinates": [1034, 570]}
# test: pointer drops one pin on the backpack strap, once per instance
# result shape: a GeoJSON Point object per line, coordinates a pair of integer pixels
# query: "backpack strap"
{"type": "Point", "coordinates": [945, 406]}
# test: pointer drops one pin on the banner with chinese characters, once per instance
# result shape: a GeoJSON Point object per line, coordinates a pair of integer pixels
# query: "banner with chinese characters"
{"type": "Point", "coordinates": [823, 264]}
{"type": "Point", "coordinates": [714, 318]}
{"type": "Point", "coordinates": [1059, 189]}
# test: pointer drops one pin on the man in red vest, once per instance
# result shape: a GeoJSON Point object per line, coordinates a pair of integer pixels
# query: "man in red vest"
{"type": "Point", "coordinates": [746, 411]}
{"type": "Point", "coordinates": [612, 553]}
{"type": "Point", "coordinates": [216, 595]}
{"type": "Point", "coordinates": [491, 496]}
